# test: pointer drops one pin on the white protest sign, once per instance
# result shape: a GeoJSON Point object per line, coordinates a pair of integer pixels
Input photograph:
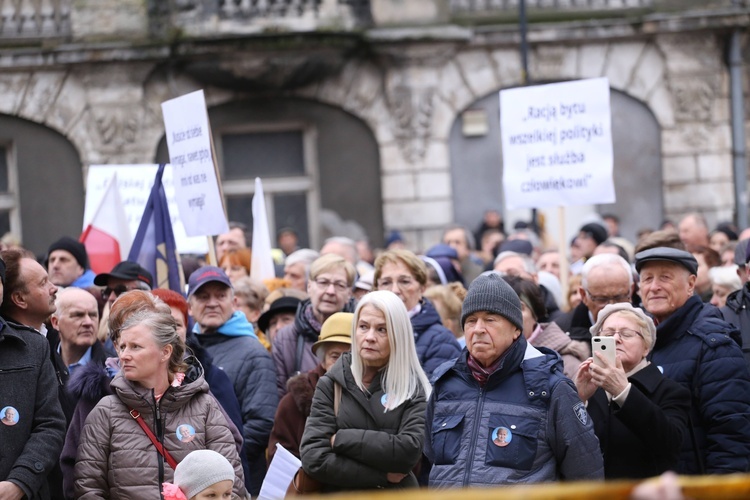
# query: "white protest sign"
{"type": "Point", "coordinates": [194, 178]}
{"type": "Point", "coordinates": [134, 183]}
{"type": "Point", "coordinates": [557, 144]}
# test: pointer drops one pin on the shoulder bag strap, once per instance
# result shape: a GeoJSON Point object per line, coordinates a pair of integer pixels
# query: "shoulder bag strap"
{"type": "Point", "coordinates": [300, 352]}
{"type": "Point", "coordinates": [161, 449]}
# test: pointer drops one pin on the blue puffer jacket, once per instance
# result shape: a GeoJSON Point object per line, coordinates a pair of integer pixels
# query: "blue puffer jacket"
{"type": "Point", "coordinates": [550, 436]}
{"type": "Point", "coordinates": [694, 348]}
{"type": "Point", "coordinates": [435, 343]}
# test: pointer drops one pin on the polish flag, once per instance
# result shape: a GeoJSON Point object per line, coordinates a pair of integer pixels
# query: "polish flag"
{"type": "Point", "coordinates": [107, 237]}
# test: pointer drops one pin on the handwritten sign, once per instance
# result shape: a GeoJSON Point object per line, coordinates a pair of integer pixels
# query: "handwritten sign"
{"type": "Point", "coordinates": [195, 180]}
{"type": "Point", "coordinates": [134, 183]}
{"type": "Point", "coordinates": [557, 144]}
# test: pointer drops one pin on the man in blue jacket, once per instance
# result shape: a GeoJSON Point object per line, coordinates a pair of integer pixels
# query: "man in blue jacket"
{"type": "Point", "coordinates": [503, 412]}
{"type": "Point", "coordinates": [697, 348]}
{"type": "Point", "coordinates": [229, 338]}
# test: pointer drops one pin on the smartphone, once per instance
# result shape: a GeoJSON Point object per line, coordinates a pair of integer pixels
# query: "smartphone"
{"type": "Point", "coordinates": [605, 346]}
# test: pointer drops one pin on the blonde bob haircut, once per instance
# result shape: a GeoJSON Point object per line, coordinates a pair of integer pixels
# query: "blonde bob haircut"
{"type": "Point", "coordinates": [401, 256]}
{"type": "Point", "coordinates": [331, 262]}
{"type": "Point", "coordinates": [403, 377]}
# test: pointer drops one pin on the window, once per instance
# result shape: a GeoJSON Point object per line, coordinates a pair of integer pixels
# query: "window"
{"type": "Point", "coordinates": [283, 156]}
{"type": "Point", "coordinates": [10, 218]}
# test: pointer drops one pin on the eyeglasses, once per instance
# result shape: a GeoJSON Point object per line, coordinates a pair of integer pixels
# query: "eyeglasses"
{"type": "Point", "coordinates": [118, 290]}
{"type": "Point", "coordinates": [612, 299]}
{"type": "Point", "coordinates": [624, 333]}
{"type": "Point", "coordinates": [401, 283]}
{"type": "Point", "coordinates": [323, 283]}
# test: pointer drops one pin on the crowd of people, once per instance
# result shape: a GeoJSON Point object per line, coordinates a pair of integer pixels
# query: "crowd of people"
{"type": "Point", "coordinates": [478, 361]}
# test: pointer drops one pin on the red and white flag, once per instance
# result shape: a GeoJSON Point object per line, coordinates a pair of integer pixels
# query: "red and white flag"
{"type": "Point", "coordinates": [107, 237]}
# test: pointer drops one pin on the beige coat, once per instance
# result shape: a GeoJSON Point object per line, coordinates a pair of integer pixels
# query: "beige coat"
{"type": "Point", "coordinates": [117, 460]}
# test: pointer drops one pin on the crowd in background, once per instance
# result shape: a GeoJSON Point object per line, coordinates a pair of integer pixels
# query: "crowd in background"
{"type": "Point", "coordinates": [466, 363]}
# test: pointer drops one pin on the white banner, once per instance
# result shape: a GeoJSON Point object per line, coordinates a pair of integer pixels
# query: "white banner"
{"type": "Point", "coordinates": [557, 144]}
{"type": "Point", "coordinates": [195, 180]}
{"type": "Point", "coordinates": [134, 184]}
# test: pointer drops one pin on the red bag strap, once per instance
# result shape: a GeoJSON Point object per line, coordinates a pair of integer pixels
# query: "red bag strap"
{"type": "Point", "coordinates": [161, 449]}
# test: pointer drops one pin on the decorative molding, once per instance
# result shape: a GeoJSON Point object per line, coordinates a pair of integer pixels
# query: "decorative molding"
{"type": "Point", "coordinates": [411, 110]}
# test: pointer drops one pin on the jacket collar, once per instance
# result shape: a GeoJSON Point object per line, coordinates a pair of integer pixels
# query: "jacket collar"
{"type": "Point", "coordinates": [677, 324]}
{"type": "Point", "coordinates": [647, 378]}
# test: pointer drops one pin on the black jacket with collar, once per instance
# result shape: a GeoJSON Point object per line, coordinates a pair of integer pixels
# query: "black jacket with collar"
{"type": "Point", "coordinates": [642, 438]}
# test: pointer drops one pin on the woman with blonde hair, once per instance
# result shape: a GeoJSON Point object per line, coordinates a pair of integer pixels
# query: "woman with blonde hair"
{"type": "Point", "coordinates": [448, 300]}
{"type": "Point", "coordinates": [132, 440]}
{"type": "Point", "coordinates": [366, 425]}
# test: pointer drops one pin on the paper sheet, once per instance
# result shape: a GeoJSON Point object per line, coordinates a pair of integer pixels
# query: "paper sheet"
{"type": "Point", "coordinates": [280, 474]}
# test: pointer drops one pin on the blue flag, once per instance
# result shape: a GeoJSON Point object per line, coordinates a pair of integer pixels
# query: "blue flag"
{"type": "Point", "coordinates": [154, 246]}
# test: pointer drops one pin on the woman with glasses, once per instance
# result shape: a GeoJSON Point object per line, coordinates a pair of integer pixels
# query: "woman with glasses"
{"type": "Point", "coordinates": [405, 274]}
{"type": "Point", "coordinates": [330, 290]}
{"type": "Point", "coordinates": [640, 416]}
{"type": "Point", "coordinates": [367, 422]}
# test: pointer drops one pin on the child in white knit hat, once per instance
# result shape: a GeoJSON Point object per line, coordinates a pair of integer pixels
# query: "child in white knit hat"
{"type": "Point", "coordinates": [201, 475]}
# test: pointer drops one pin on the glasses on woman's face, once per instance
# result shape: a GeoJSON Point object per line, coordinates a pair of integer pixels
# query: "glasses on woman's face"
{"type": "Point", "coordinates": [402, 283]}
{"type": "Point", "coordinates": [624, 333]}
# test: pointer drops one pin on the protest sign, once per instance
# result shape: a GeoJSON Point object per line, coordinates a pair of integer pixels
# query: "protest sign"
{"type": "Point", "coordinates": [195, 179]}
{"type": "Point", "coordinates": [134, 183]}
{"type": "Point", "coordinates": [557, 144]}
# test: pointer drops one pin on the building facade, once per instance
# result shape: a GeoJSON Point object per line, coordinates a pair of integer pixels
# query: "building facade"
{"type": "Point", "coordinates": [359, 116]}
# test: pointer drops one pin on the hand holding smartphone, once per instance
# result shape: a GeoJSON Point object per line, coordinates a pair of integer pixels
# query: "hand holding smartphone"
{"type": "Point", "coordinates": [606, 347]}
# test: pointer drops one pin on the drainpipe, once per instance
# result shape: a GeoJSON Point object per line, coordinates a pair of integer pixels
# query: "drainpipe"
{"type": "Point", "coordinates": [738, 129]}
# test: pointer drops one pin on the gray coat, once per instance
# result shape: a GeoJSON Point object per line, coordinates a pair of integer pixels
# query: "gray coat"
{"type": "Point", "coordinates": [31, 447]}
{"type": "Point", "coordinates": [550, 434]}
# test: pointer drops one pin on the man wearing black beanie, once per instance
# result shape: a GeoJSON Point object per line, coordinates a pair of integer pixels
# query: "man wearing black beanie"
{"type": "Point", "coordinates": [67, 264]}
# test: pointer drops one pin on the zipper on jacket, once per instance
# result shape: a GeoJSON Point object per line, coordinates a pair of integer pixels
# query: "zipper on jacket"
{"type": "Point", "coordinates": [160, 438]}
{"type": "Point", "coordinates": [477, 422]}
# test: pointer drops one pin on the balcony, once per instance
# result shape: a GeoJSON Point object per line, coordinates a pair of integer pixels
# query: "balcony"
{"type": "Point", "coordinates": [29, 20]}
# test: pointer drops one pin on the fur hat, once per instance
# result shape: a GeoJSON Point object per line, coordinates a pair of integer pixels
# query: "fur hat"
{"type": "Point", "coordinates": [201, 469]}
{"type": "Point", "coordinates": [490, 293]}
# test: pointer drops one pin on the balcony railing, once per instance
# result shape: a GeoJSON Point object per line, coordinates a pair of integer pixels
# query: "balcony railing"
{"type": "Point", "coordinates": [502, 7]}
{"type": "Point", "coordinates": [24, 20]}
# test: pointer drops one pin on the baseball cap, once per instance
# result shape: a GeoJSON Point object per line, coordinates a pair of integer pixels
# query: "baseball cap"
{"type": "Point", "coordinates": [126, 270]}
{"type": "Point", "coordinates": [207, 274]}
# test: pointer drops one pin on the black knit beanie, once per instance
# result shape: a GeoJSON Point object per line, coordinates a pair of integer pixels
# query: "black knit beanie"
{"type": "Point", "coordinates": [490, 293]}
{"type": "Point", "coordinates": [76, 249]}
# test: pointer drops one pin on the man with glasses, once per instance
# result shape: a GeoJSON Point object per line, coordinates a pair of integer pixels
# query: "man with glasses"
{"type": "Point", "coordinates": [330, 291]}
{"type": "Point", "coordinates": [124, 277]}
{"type": "Point", "coordinates": [605, 279]}
{"type": "Point", "coordinates": [695, 347]}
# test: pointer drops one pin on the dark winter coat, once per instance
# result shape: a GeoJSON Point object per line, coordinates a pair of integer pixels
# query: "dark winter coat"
{"type": "Point", "coordinates": [552, 437]}
{"type": "Point", "coordinates": [294, 408]}
{"type": "Point", "coordinates": [643, 438]}
{"type": "Point", "coordinates": [435, 343]}
{"type": "Point", "coordinates": [286, 347]}
{"type": "Point", "coordinates": [250, 368]}
{"type": "Point", "coordinates": [117, 460]}
{"type": "Point", "coordinates": [737, 313]}
{"type": "Point", "coordinates": [29, 449]}
{"type": "Point", "coordinates": [370, 442]}
{"type": "Point", "coordinates": [694, 347]}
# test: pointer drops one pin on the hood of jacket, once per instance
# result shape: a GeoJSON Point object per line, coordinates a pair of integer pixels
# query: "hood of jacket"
{"type": "Point", "coordinates": [138, 397]}
{"type": "Point", "coordinates": [736, 299]}
{"type": "Point", "coordinates": [425, 318]}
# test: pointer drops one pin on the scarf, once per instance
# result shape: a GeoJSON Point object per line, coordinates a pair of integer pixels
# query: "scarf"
{"type": "Point", "coordinates": [480, 373]}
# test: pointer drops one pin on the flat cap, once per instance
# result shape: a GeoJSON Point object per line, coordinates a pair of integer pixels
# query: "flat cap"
{"type": "Point", "coordinates": [681, 257]}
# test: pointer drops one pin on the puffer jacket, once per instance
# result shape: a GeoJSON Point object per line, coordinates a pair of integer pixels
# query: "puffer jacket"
{"type": "Point", "coordinates": [370, 442]}
{"type": "Point", "coordinates": [736, 312]}
{"type": "Point", "coordinates": [117, 460]}
{"type": "Point", "coordinates": [695, 347]}
{"type": "Point", "coordinates": [550, 434]}
{"type": "Point", "coordinates": [573, 352]}
{"type": "Point", "coordinates": [285, 345]}
{"type": "Point", "coordinates": [435, 343]}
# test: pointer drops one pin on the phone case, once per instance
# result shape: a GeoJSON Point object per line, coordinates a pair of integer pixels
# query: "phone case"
{"type": "Point", "coordinates": [605, 346]}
